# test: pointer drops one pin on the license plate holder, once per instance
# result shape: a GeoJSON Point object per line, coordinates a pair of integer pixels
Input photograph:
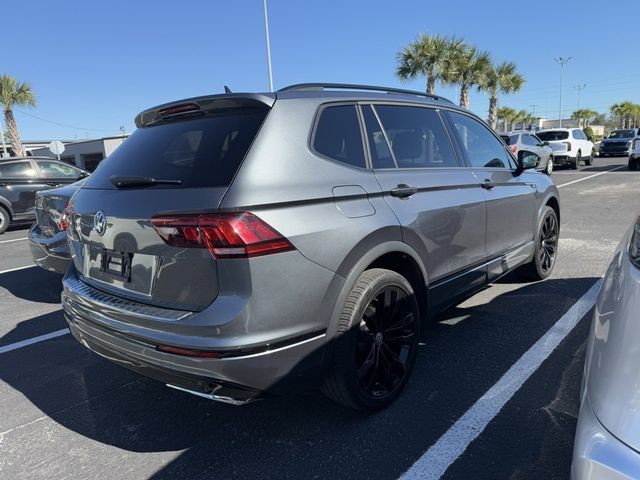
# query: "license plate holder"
{"type": "Point", "coordinates": [117, 264]}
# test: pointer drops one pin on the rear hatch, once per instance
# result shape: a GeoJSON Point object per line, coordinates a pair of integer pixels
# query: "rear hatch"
{"type": "Point", "coordinates": [177, 165]}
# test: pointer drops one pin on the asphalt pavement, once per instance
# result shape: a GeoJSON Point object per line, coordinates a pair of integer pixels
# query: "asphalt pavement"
{"type": "Point", "coordinates": [67, 413]}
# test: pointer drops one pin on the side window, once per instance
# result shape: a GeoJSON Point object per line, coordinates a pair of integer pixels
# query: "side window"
{"type": "Point", "coordinates": [380, 154]}
{"type": "Point", "coordinates": [537, 140]}
{"type": "Point", "coordinates": [480, 146]}
{"type": "Point", "coordinates": [418, 137]}
{"type": "Point", "coordinates": [58, 170]}
{"type": "Point", "coordinates": [21, 170]}
{"type": "Point", "coordinates": [576, 134]}
{"type": "Point", "coordinates": [528, 140]}
{"type": "Point", "coordinates": [338, 135]}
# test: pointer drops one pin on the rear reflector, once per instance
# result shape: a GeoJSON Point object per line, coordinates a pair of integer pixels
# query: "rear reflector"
{"type": "Point", "coordinates": [185, 352]}
{"type": "Point", "coordinates": [226, 235]}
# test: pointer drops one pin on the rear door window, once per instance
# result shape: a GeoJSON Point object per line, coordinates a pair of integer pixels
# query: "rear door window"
{"type": "Point", "coordinates": [58, 170]}
{"type": "Point", "coordinates": [417, 136]}
{"type": "Point", "coordinates": [201, 152]}
{"type": "Point", "coordinates": [479, 145]}
{"type": "Point", "coordinates": [338, 135]}
{"type": "Point", "coordinates": [17, 170]}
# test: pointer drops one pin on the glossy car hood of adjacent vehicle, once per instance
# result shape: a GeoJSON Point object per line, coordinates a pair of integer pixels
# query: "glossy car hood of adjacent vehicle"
{"type": "Point", "coordinates": [613, 353]}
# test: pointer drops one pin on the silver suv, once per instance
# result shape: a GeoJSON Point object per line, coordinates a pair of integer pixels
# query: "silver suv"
{"type": "Point", "coordinates": [242, 245]}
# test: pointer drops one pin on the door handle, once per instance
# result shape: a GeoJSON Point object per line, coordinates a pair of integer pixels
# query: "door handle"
{"type": "Point", "coordinates": [403, 191]}
{"type": "Point", "coordinates": [487, 184]}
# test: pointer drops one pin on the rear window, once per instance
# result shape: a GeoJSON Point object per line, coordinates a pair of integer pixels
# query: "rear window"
{"type": "Point", "coordinates": [509, 139]}
{"type": "Point", "coordinates": [202, 152]}
{"type": "Point", "coordinates": [553, 135]}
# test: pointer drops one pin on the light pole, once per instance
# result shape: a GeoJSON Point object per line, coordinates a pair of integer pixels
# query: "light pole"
{"type": "Point", "coordinates": [579, 88]}
{"type": "Point", "coordinates": [266, 32]}
{"type": "Point", "coordinates": [4, 144]}
{"type": "Point", "coordinates": [561, 61]}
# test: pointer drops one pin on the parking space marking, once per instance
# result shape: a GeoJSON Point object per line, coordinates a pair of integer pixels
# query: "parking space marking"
{"type": "Point", "coordinates": [16, 269]}
{"type": "Point", "coordinates": [591, 176]}
{"type": "Point", "coordinates": [452, 444]}
{"type": "Point", "coordinates": [14, 240]}
{"type": "Point", "coordinates": [31, 341]}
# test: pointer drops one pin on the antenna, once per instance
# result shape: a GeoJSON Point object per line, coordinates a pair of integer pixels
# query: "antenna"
{"type": "Point", "coordinates": [227, 89]}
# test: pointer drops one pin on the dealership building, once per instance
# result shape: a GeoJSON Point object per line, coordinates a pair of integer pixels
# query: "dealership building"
{"type": "Point", "coordinates": [86, 154]}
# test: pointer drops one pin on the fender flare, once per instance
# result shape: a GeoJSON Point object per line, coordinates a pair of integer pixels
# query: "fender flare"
{"type": "Point", "coordinates": [7, 205]}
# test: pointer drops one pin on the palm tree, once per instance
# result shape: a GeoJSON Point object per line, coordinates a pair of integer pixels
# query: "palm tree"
{"type": "Point", "coordinates": [428, 56]}
{"type": "Point", "coordinates": [521, 117]}
{"type": "Point", "coordinates": [470, 68]}
{"type": "Point", "coordinates": [583, 116]}
{"type": "Point", "coordinates": [507, 115]}
{"type": "Point", "coordinates": [13, 93]}
{"type": "Point", "coordinates": [502, 78]}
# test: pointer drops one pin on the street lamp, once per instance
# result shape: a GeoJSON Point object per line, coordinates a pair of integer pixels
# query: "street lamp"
{"type": "Point", "coordinates": [561, 61]}
{"type": "Point", "coordinates": [579, 88]}
{"type": "Point", "coordinates": [266, 32]}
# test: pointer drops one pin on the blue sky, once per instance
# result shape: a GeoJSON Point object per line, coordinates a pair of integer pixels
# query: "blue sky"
{"type": "Point", "coordinates": [94, 65]}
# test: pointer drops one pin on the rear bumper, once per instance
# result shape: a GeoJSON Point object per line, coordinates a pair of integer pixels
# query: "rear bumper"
{"type": "Point", "coordinates": [598, 455]}
{"type": "Point", "coordinates": [50, 253]}
{"type": "Point", "coordinates": [560, 159]}
{"type": "Point", "coordinates": [278, 366]}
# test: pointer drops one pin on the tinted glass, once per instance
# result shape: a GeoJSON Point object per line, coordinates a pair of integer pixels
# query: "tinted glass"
{"type": "Point", "coordinates": [553, 135]}
{"type": "Point", "coordinates": [338, 135]}
{"type": "Point", "coordinates": [380, 153]}
{"type": "Point", "coordinates": [417, 136]}
{"type": "Point", "coordinates": [481, 147]}
{"type": "Point", "coordinates": [622, 134]}
{"type": "Point", "coordinates": [509, 139]}
{"type": "Point", "coordinates": [21, 170]}
{"type": "Point", "coordinates": [58, 170]}
{"type": "Point", "coordinates": [202, 152]}
{"type": "Point", "coordinates": [529, 140]}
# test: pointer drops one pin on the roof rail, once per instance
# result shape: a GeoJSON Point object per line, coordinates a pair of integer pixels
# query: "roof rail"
{"type": "Point", "coordinates": [319, 87]}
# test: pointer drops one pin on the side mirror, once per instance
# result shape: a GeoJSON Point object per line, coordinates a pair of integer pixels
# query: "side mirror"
{"type": "Point", "coordinates": [546, 144]}
{"type": "Point", "coordinates": [83, 174]}
{"type": "Point", "coordinates": [527, 159]}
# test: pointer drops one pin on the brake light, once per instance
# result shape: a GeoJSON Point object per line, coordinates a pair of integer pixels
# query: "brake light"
{"type": "Point", "coordinates": [64, 218]}
{"type": "Point", "coordinates": [226, 235]}
{"type": "Point", "coordinates": [568, 144]}
{"type": "Point", "coordinates": [513, 149]}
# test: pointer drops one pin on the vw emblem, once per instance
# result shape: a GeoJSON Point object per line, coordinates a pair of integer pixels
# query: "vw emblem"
{"type": "Point", "coordinates": [100, 223]}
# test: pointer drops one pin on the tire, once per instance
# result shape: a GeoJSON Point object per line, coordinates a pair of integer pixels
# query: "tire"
{"type": "Point", "coordinates": [5, 220]}
{"type": "Point", "coordinates": [549, 168]}
{"type": "Point", "coordinates": [546, 247]}
{"type": "Point", "coordinates": [574, 165]}
{"type": "Point", "coordinates": [633, 164]}
{"type": "Point", "coordinates": [588, 161]}
{"type": "Point", "coordinates": [379, 345]}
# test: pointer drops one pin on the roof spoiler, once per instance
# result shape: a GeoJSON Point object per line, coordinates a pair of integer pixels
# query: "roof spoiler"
{"type": "Point", "coordinates": [197, 106]}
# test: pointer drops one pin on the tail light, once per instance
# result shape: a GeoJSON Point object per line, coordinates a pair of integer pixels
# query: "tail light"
{"type": "Point", "coordinates": [568, 144]}
{"type": "Point", "coordinates": [513, 149]}
{"type": "Point", "coordinates": [64, 218]}
{"type": "Point", "coordinates": [226, 235]}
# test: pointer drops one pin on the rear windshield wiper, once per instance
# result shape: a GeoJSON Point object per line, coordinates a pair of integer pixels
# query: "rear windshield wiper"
{"type": "Point", "coordinates": [124, 182]}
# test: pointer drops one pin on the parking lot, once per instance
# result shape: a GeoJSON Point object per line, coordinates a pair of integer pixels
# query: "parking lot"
{"type": "Point", "coordinates": [68, 413]}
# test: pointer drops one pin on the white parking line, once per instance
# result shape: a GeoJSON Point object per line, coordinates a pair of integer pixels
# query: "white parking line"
{"type": "Point", "coordinates": [591, 176]}
{"type": "Point", "coordinates": [14, 240]}
{"type": "Point", "coordinates": [437, 459]}
{"type": "Point", "coordinates": [16, 269]}
{"type": "Point", "coordinates": [31, 341]}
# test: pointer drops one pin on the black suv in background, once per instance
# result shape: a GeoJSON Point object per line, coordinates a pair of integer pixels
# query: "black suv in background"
{"type": "Point", "coordinates": [22, 177]}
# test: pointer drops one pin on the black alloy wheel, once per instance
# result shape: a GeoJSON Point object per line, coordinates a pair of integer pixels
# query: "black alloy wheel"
{"type": "Point", "coordinates": [386, 338]}
{"type": "Point", "coordinates": [548, 244]}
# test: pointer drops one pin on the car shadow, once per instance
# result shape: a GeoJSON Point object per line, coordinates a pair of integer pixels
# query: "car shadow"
{"type": "Point", "coordinates": [467, 349]}
{"type": "Point", "coordinates": [41, 287]}
{"type": "Point", "coordinates": [603, 168]}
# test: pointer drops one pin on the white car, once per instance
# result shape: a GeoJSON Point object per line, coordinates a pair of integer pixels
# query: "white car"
{"type": "Point", "coordinates": [570, 146]}
{"type": "Point", "coordinates": [634, 153]}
